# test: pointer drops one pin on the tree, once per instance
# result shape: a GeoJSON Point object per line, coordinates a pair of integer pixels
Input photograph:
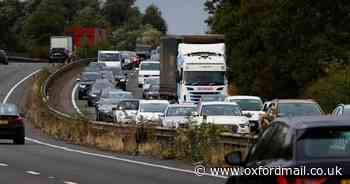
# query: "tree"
{"type": "Point", "coordinates": [153, 17]}
{"type": "Point", "coordinates": [150, 36]}
{"type": "Point", "coordinates": [89, 17]}
{"type": "Point", "coordinates": [275, 49]}
{"type": "Point", "coordinates": [116, 11]}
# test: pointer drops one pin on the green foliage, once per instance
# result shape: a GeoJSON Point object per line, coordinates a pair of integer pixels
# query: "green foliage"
{"type": "Point", "coordinates": [89, 52]}
{"type": "Point", "coordinates": [196, 141]}
{"type": "Point", "coordinates": [116, 11]}
{"type": "Point", "coordinates": [332, 90]}
{"type": "Point", "coordinates": [89, 17]}
{"type": "Point", "coordinates": [153, 17]}
{"type": "Point", "coordinates": [275, 49]}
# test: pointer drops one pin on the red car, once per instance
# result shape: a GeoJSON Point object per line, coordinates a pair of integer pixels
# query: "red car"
{"type": "Point", "coordinates": [11, 124]}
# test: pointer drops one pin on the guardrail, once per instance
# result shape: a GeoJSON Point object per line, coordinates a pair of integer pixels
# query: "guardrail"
{"type": "Point", "coordinates": [164, 135]}
{"type": "Point", "coordinates": [25, 60]}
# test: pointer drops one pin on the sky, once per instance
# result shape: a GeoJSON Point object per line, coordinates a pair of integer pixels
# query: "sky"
{"type": "Point", "coordinates": [182, 16]}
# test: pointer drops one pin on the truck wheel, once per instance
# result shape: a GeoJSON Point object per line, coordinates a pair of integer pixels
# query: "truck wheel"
{"type": "Point", "coordinates": [19, 137]}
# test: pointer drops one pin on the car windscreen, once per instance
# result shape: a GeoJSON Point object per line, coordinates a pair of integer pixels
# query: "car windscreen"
{"type": "Point", "coordinates": [196, 78]}
{"type": "Point", "coordinates": [152, 81]}
{"type": "Point", "coordinates": [221, 110]}
{"type": "Point", "coordinates": [109, 57]}
{"type": "Point", "coordinates": [298, 109]}
{"type": "Point", "coordinates": [324, 142]}
{"type": "Point", "coordinates": [120, 95]}
{"type": "Point", "coordinates": [150, 66]}
{"type": "Point", "coordinates": [8, 110]}
{"type": "Point", "coordinates": [90, 76]}
{"type": "Point", "coordinates": [248, 104]}
{"type": "Point", "coordinates": [212, 98]}
{"type": "Point", "coordinates": [180, 111]}
{"type": "Point", "coordinates": [153, 107]}
{"type": "Point", "coordinates": [129, 105]}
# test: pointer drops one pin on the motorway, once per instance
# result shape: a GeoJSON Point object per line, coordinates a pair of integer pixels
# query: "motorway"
{"type": "Point", "coordinates": [45, 160]}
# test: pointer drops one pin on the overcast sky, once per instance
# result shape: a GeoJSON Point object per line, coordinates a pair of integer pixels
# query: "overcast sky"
{"type": "Point", "coordinates": [182, 16]}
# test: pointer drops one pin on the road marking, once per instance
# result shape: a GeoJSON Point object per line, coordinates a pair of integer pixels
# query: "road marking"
{"type": "Point", "coordinates": [69, 182]}
{"type": "Point", "coordinates": [74, 101]}
{"type": "Point", "coordinates": [17, 84]}
{"type": "Point", "coordinates": [95, 154]}
{"type": "Point", "coordinates": [3, 165]}
{"type": "Point", "coordinates": [33, 173]}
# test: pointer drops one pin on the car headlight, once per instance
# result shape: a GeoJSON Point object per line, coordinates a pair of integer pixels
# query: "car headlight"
{"type": "Point", "coordinates": [82, 86]}
{"type": "Point", "coordinates": [93, 95]}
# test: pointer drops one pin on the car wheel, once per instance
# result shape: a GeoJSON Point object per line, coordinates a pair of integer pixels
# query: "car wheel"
{"type": "Point", "coordinates": [19, 137]}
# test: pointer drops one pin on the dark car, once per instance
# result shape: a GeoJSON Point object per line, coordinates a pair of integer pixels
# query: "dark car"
{"type": "Point", "coordinates": [11, 124]}
{"type": "Point", "coordinates": [342, 110]}
{"type": "Point", "coordinates": [151, 93]}
{"type": "Point", "coordinates": [86, 80]}
{"type": "Point", "coordinates": [320, 142]}
{"type": "Point", "coordinates": [96, 90]}
{"type": "Point", "coordinates": [58, 55]}
{"type": "Point", "coordinates": [290, 108]}
{"type": "Point", "coordinates": [3, 57]}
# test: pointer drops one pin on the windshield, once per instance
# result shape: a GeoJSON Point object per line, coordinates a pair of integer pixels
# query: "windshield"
{"type": "Point", "coordinates": [8, 110]}
{"type": "Point", "coordinates": [153, 107]}
{"type": "Point", "coordinates": [298, 109]}
{"type": "Point", "coordinates": [108, 57]}
{"type": "Point", "coordinates": [154, 88]}
{"type": "Point", "coordinates": [129, 105]}
{"type": "Point", "coordinates": [248, 104]}
{"type": "Point", "coordinates": [204, 78]}
{"type": "Point", "coordinates": [327, 142]}
{"type": "Point", "coordinates": [120, 95]}
{"type": "Point", "coordinates": [150, 66]}
{"type": "Point", "coordinates": [90, 77]}
{"type": "Point", "coordinates": [212, 98]}
{"type": "Point", "coordinates": [152, 81]}
{"type": "Point", "coordinates": [102, 85]}
{"type": "Point", "coordinates": [180, 111]}
{"type": "Point", "coordinates": [221, 110]}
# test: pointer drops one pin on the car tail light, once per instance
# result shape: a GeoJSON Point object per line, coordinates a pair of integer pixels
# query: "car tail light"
{"type": "Point", "coordinates": [301, 180]}
{"type": "Point", "coordinates": [18, 120]}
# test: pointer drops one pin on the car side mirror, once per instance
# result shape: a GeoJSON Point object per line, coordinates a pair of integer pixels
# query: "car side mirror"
{"type": "Point", "coordinates": [234, 158]}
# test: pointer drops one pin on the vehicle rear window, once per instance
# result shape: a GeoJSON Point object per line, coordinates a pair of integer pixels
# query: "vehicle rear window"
{"type": "Point", "coordinates": [150, 66]}
{"type": "Point", "coordinates": [8, 110]}
{"type": "Point", "coordinates": [129, 105]}
{"type": "Point", "coordinates": [109, 57]}
{"type": "Point", "coordinates": [326, 142]}
{"type": "Point", "coordinates": [298, 109]}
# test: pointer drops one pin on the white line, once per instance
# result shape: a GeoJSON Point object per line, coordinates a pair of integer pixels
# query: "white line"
{"type": "Point", "coordinates": [117, 158]}
{"type": "Point", "coordinates": [17, 84]}
{"type": "Point", "coordinates": [73, 100]}
{"type": "Point", "coordinates": [69, 182]}
{"type": "Point", "coordinates": [33, 173]}
{"type": "Point", "coordinates": [94, 154]}
{"type": "Point", "coordinates": [3, 165]}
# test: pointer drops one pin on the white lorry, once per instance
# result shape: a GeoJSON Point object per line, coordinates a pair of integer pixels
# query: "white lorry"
{"type": "Point", "coordinates": [192, 66]}
{"type": "Point", "coordinates": [110, 58]}
{"type": "Point", "coordinates": [61, 48]}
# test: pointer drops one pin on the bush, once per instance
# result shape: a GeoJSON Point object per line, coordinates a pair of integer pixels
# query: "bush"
{"type": "Point", "coordinates": [331, 90]}
{"type": "Point", "coordinates": [90, 52]}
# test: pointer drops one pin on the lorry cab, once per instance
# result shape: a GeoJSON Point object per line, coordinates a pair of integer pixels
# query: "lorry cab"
{"type": "Point", "coordinates": [110, 58]}
{"type": "Point", "coordinates": [200, 71]}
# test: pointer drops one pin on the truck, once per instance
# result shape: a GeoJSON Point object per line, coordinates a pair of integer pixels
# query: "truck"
{"type": "Point", "coordinates": [61, 48]}
{"type": "Point", "coordinates": [192, 66]}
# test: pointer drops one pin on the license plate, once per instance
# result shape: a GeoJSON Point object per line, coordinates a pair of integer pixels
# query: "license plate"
{"type": "Point", "coordinates": [345, 181]}
{"type": "Point", "coordinates": [3, 122]}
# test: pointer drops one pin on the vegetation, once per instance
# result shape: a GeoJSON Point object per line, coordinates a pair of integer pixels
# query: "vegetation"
{"type": "Point", "coordinates": [278, 48]}
{"type": "Point", "coordinates": [28, 25]}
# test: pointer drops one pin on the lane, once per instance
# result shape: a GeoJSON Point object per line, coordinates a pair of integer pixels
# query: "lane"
{"type": "Point", "coordinates": [67, 166]}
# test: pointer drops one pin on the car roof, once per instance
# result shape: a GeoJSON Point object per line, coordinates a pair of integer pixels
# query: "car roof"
{"type": "Point", "coordinates": [150, 62]}
{"type": "Point", "coordinates": [108, 51]}
{"type": "Point", "coordinates": [154, 101]}
{"type": "Point", "coordinates": [294, 101]}
{"type": "Point", "coordinates": [219, 103]}
{"type": "Point", "coordinates": [305, 122]}
{"type": "Point", "coordinates": [182, 105]}
{"type": "Point", "coordinates": [243, 97]}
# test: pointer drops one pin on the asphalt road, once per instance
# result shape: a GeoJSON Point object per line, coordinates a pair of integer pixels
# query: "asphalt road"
{"type": "Point", "coordinates": [44, 160]}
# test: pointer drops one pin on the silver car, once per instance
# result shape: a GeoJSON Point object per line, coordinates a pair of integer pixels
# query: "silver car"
{"type": "Point", "coordinates": [176, 116]}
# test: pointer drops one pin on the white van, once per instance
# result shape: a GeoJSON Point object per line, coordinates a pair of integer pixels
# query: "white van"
{"type": "Point", "coordinates": [110, 58]}
{"type": "Point", "coordinates": [148, 69]}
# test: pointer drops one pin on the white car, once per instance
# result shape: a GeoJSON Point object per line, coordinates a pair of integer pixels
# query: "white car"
{"type": "Point", "coordinates": [225, 114]}
{"type": "Point", "coordinates": [251, 107]}
{"type": "Point", "coordinates": [110, 58]}
{"type": "Point", "coordinates": [148, 69]}
{"type": "Point", "coordinates": [150, 111]}
{"type": "Point", "coordinates": [178, 115]}
{"type": "Point", "coordinates": [127, 110]}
